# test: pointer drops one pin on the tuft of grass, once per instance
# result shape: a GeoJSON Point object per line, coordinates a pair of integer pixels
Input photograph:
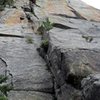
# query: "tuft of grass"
{"type": "Point", "coordinates": [45, 26]}
{"type": "Point", "coordinates": [87, 38]}
{"type": "Point", "coordinates": [41, 30]}
{"type": "Point", "coordinates": [29, 40]}
{"type": "Point", "coordinates": [45, 45]}
{"type": "Point", "coordinates": [4, 3]}
{"type": "Point", "coordinates": [3, 98]}
{"type": "Point", "coordinates": [4, 88]}
{"type": "Point", "coordinates": [3, 78]}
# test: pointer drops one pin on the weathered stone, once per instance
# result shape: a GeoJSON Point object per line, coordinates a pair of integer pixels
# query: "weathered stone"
{"type": "Point", "coordinates": [66, 8]}
{"type": "Point", "coordinates": [28, 95]}
{"type": "Point", "coordinates": [74, 49]}
{"type": "Point", "coordinates": [84, 10]}
{"type": "Point", "coordinates": [73, 52]}
{"type": "Point", "coordinates": [29, 71]}
{"type": "Point", "coordinates": [91, 87]}
{"type": "Point", "coordinates": [67, 92]}
{"type": "Point", "coordinates": [3, 67]}
{"type": "Point", "coordinates": [69, 51]}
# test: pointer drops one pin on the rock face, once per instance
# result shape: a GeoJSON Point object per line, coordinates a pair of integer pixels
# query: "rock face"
{"type": "Point", "coordinates": [18, 54]}
{"type": "Point", "coordinates": [73, 52]}
{"type": "Point", "coordinates": [91, 87]}
{"type": "Point", "coordinates": [72, 57]}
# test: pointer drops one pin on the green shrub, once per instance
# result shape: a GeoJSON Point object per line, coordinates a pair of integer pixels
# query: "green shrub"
{"type": "Point", "coordinates": [45, 45]}
{"type": "Point", "coordinates": [4, 88]}
{"type": "Point", "coordinates": [29, 40]}
{"type": "Point", "coordinates": [3, 98]}
{"type": "Point", "coordinates": [87, 38]}
{"type": "Point", "coordinates": [45, 26]}
{"type": "Point", "coordinates": [3, 3]}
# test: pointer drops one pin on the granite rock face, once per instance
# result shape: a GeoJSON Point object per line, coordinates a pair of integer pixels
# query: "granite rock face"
{"type": "Point", "coordinates": [73, 52]}
{"type": "Point", "coordinates": [91, 87]}
{"type": "Point", "coordinates": [18, 55]}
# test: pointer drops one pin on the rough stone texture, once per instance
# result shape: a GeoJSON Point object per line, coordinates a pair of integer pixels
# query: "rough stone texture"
{"type": "Point", "coordinates": [29, 95]}
{"type": "Point", "coordinates": [70, 55]}
{"type": "Point", "coordinates": [67, 8]}
{"type": "Point", "coordinates": [31, 79]}
{"type": "Point", "coordinates": [74, 49]}
{"type": "Point", "coordinates": [3, 67]}
{"type": "Point", "coordinates": [84, 10]}
{"type": "Point", "coordinates": [91, 87]}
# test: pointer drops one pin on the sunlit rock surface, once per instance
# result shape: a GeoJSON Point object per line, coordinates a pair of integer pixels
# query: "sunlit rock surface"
{"type": "Point", "coordinates": [73, 51]}
{"type": "Point", "coordinates": [31, 79]}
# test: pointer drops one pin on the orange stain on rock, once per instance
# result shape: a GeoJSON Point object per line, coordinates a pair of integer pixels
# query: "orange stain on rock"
{"type": "Point", "coordinates": [15, 18]}
{"type": "Point", "coordinates": [58, 7]}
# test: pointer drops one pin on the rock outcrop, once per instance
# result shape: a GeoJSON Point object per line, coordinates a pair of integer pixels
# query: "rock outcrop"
{"type": "Point", "coordinates": [70, 50]}
{"type": "Point", "coordinates": [73, 50]}
{"type": "Point", "coordinates": [18, 44]}
{"type": "Point", "coordinates": [91, 87]}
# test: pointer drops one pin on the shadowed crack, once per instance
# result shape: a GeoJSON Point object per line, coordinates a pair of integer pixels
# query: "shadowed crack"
{"type": "Point", "coordinates": [66, 16]}
{"type": "Point", "coordinates": [10, 35]}
{"type": "Point", "coordinates": [37, 90]}
{"type": "Point", "coordinates": [3, 61]}
{"type": "Point", "coordinates": [79, 16]}
{"type": "Point", "coordinates": [58, 25]}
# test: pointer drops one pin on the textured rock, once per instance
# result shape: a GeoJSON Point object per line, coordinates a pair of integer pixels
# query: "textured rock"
{"type": "Point", "coordinates": [31, 79]}
{"type": "Point", "coordinates": [3, 67]}
{"type": "Point", "coordinates": [22, 95]}
{"type": "Point", "coordinates": [67, 92]}
{"type": "Point", "coordinates": [74, 51]}
{"type": "Point", "coordinates": [91, 87]}
{"type": "Point", "coordinates": [66, 8]}
{"type": "Point", "coordinates": [70, 53]}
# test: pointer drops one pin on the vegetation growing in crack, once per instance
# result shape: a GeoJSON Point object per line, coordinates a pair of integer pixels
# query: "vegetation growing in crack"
{"type": "Point", "coordinates": [45, 45]}
{"type": "Point", "coordinates": [87, 38]}
{"type": "Point", "coordinates": [4, 87]}
{"type": "Point", "coordinates": [29, 40]}
{"type": "Point", "coordinates": [4, 3]}
{"type": "Point", "coordinates": [45, 26]}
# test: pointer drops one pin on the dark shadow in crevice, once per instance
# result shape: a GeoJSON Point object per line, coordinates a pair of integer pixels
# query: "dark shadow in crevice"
{"type": "Point", "coordinates": [66, 16]}
{"type": "Point", "coordinates": [74, 81]}
{"type": "Point", "coordinates": [58, 25]}
{"type": "Point", "coordinates": [10, 35]}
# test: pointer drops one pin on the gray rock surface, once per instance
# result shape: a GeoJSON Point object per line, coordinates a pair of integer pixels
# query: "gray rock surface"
{"type": "Point", "coordinates": [91, 87]}
{"type": "Point", "coordinates": [74, 51]}
{"type": "Point", "coordinates": [29, 95]}
{"type": "Point", "coordinates": [18, 44]}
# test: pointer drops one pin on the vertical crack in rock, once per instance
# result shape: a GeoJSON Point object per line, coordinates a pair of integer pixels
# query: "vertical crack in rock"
{"type": "Point", "coordinates": [75, 12]}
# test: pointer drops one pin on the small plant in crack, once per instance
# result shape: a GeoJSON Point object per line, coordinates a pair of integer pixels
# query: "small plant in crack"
{"type": "Point", "coordinates": [4, 87]}
{"type": "Point", "coordinates": [29, 40]}
{"type": "Point", "coordinates": [4, 3]}
{"type": "Point", "coordinates": [45, 45]}
{"type": "Point", "coordinates": [87, 38]}
{"type": "Point", "coordinates": [45, 26]}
